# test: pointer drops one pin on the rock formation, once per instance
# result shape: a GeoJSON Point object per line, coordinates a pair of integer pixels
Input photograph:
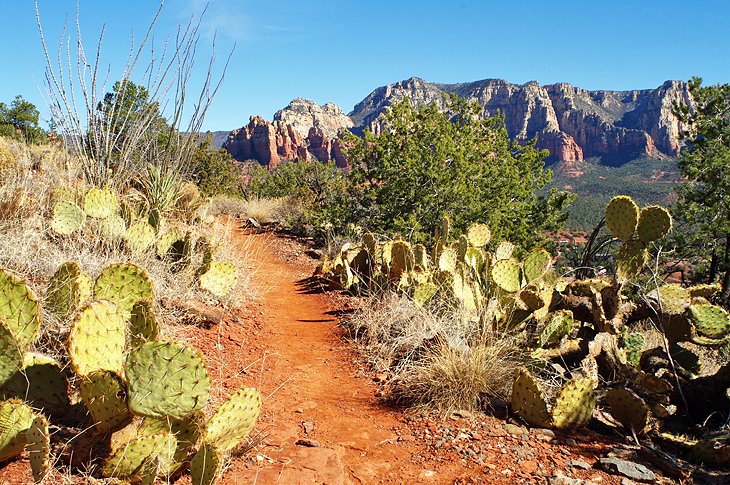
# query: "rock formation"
{"type": "Point", "coordinates": [570, 122]}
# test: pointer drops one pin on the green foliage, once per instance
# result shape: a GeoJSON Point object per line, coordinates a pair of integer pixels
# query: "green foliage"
{"type": "Point", "coordinates": [214, 171]}
{"type": "Point", "coordinates": [21, 117]}
{"type": "Point", "coordinates": [426, 163]}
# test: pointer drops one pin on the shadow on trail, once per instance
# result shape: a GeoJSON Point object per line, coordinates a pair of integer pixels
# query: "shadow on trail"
{"type": "Point", "coordinates": [315, 286]}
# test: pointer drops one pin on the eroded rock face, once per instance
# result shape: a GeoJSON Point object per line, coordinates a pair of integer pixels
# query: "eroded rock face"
{"type": "Point", "coordinates": [303, 114]}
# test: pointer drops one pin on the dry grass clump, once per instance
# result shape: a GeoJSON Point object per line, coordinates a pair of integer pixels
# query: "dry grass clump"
{"type": "Point", "coordinates": [264, 210]}
{"type": "Point", "coordinates": [437, 357]}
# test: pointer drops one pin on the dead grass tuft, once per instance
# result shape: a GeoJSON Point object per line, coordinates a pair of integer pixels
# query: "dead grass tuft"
{"type": "Point", "coordinates": [263, 210]}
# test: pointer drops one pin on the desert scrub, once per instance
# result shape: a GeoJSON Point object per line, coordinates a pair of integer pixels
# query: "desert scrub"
{"type": "Point", "coordinates": [263, 209]}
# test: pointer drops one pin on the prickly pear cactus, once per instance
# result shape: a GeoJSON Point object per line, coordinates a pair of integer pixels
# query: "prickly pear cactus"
{"type": "Point", "coordinates": [15, 418]}
{"type": "Point", "coordinates": [478, 235]}
{"type": "Point", "coordinates": [633, 343]}
{"type": "Point", "coordinates": [220, 278]}
{"type": "Point", "coordinates": [628, 409]}
{"type": "Point", "coordinates": [574, 405]}
{"type": "Point", "coordinates": [206, 465]}
{"type": "Point", "coordinates": [670, 299]}
{"type": "Point", "coordinates": [166, 240]}
{"type": "Point", "coordinates": [100, 203]}
{"type": "Point", "coordinates": [504, 251]}
{"type": "Point", "coordinates": [128, 461]}
{"type": "Point", "coordinates": [631, 258]}
{"type": "Point", "coordinates": [19, 309]}
{"type": "Point", "coordinates": [234, 419]}
{"type": "Point", "coordinates": [506, 275]}
{"type": "Point", "coordinates": [68, 289]}
{"type": "Point", "coordinates": [11, 357]}
{"type": "Point", "coordinates": [655, 222]}
{"type": "Point", "coordinates": [420, 256]}
{"type": "Point", "coordinates": [186, 431]}
{"type": "Point", "coordinates": [622, 217]}
{"type": "Point", "coordinates": [40, 382]}
{"type": "Point", "coordinates": [560, 325]}
{"type": "Point", "coordinates": [103, 393]}
{"type": "Point", "coordinates": [704, 291]}
{"type": "Point", "coordinates": [142, 323]}
{"type": "Point", "coordinates": [528, 400]}
{"type": "Point", "coordinates": [124, 284]}
{"type": "Point", "coordinates": [139, 237]}
{"type": "Point", "coordinates": [401, 259]}
{"type": "Point", "coordinates": [39, 448]}
{"type": "Point", "coordinates": [166, 379]}
{"type": "Point", "coordinates": [447, 259]}
{"type": "Point", "coordinates": [711, 321]}
{"type": "Point", "coordinates": [97, 338]}
{"type": "Point", "coordinates": [536, 264]}
{"type": "Point", "coordinates": [67, 218]}
{"type": "Point", "coordinates": [113, 227]}
{"type": "Point", "coordinates": [371, 243]}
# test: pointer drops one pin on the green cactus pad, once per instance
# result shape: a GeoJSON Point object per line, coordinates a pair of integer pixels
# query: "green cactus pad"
{"type": "Point", "coordinates": [67, 218]}
{"type": "Point", "coordinates": [655, 222]}
{"type": "Point", "coordinates": [234, 419]}
{"type": "Point", "coordinates": [704, 291]}
{"type": "Point", "coordinates": [128, 461]}
{"type": "Point", "coordinates": [142, 323]}
{"type": "Point", "coordinates": [100, 203]}
{"type": "Point", "coordinates": [634, 345]}
{"type": "Point", "coordinates": [628, 409]}
{"type": "Point", "coordinates": [531, 299]}
{"type": "Point", "coordinates": [11, 356]}
{"type": "Point", "coordinates": [420, 256]}
{"type": "Point", "coordinates": [622, 217]}
{"type": "Point", "coordinates": [528, 400]}
{"type": "Point", "coordinates": [186, 432]}
{"type": "Point", "coordinates": [113, 228]}
{"type": "Point", "coordinates": [166, 240]}
{"type": "Point", "coordinates": [536, 264]}
{"type": "Point", "coordinates": [97, 338]}
{"type": "Point", "coordinates": [711, 321]}
{"type": "Point", "coordinates": [347, 277]}
{"type": "Point", "coordinates": [15, 418]}
{"type": "Point", "coordinates": [461, 245]}
{"type": "Point", "coordinates": [124, 284]}
{"type": "Point", "coordinates": [371, 243]}
{"type": "Point", "coordinates": [479, 235]}
{"type": "Point", "coordinates": [475, 259]}
{"type": "Point", "coordinates": [139, 237]}
{"type": "Point", "coordinates": [41, 382]}
{"type": "Point", "coordinates": [206, 465]}
{"type": "Point", "coordinates": [166, 379]}
{"type": "Point", "coordinates": [574, 404]}
{"type": "Point", "coordinates": [670, 299]}
{"type": "Point", "coordinates": [445, 227]}
{"type": "Point", "coordinates": [68, 289]}
{"type": "Point", "coordinates": [401, 259]}
{"type": "Point", "coordinates": [39, 448]}
{"type": "Point", "coordinates": [631, 259]}
{"type": "Point", "coordinates": [220, 278]}
{"type": "Point", "coordinates": [61, 193]}
{"type": "Point", "coordinates": [506, 275]}
{"type": "Point", "coordinates": [560, 325]}
{"type": "Point", "coordinates": [447, 259]}
{"type": "Point", "coordinates": [504, 250]}
{"type": "Point", "coordinates": [424, 292]}
{"type": "Point", "coordinates": [19, 309]}
{"type": "Point", "coordinates": [103, 393]}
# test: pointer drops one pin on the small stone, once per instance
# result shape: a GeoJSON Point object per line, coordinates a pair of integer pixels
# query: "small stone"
{"type": "Point", "coordinates": [578, 464]}
{"type": "Point", "coordinates": [514, 429]}
{"type": "Point", "coordinates": [380, 377]}
{"type": "Point", "coordinates": [308, 427]}
{"type": "Point", "coordinates": [406, 437]}
{"type": "Point", "coordinates": [626, 481]}
{"type": "Point", "coordinates": [629, 469]}
{"type": "Point", "coordinates": [546, 435]}
{"type": "Point", "coordinates": [299, 410]}
{"type": "Point", "coordinates": [569, 441]}
{"type": "Point", "coordinates": [462, 436]}
{"type": "Point", "coordinates": [529, 466]}
{"type": "Point", "coordinates": [461, 413]}
{"type": "Point", "coordinates": [308, 443]}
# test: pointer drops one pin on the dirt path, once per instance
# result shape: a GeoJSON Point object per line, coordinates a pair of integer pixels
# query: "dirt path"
{"type": "Point", "coordinates": [308, 374]}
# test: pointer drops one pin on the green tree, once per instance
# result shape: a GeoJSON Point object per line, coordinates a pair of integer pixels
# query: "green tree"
{"type": "Point", "coordinates": [21, 116]}
{"type": "Point", "coordinates": [426, 163]}
{"type": "Point", "coordinates": [214, 171]}
{"type": "Point", "coordinates": [703, 205]}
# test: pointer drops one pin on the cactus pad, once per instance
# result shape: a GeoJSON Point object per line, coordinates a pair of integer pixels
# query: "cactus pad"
{"type": "Point", "coordinates": [704, 291]}
{"type": "Point", "coordinates": [631, 259]}
{"type": "Point", "coordinates": [478, 235]}
{"type": "Point", "coordinates": [504, 250]}
{"type": "Point", "coordinates": [68, 289]}
{"type": "Point", "coordinates": [41, 382]}
{"type": "Point", "coordinates": [628, 409]}
{"type": "Point", "coordinates": [234, 419]}
{"type": "Point", "coordinates": [371, 243]}
{"type": "Point", "coordinates": [401, 259]}
{"type": "Point", "coordinates": [142, 323]}
{"type": "Point", "coordinates": [655, 222]}
{"type": "Point", "coordinates": [574, 404]}
{"type": "Point", "coordinates": [11, 357]}
{"type": "Point", "coordinates": [39, 448]}
{"type": "Point", "coordinates": [634, 345]}
{"type": "Point", "coordinates": [113, 227]}
{"type": "Point", "coordinates": [129, 460]}
{"type": "Point", "coordinates": [97, 338]}
{"type": "Point", "coordinates": [560, 325]}
{"type": "Point", "coordinates": [206, 465]}
{"type": "Point", "coordinates": [186, 432]}
{"type": "Point", "coordinates": [100, 203]}
{"type": "Point", "coordinates": [104, 393]}
{"type": "Point", "coordinates": [166, 240]}
{"type": "Point", "coordinates": [447, 259]}
{"type": "Point", "coordinates": [445, 227]}
{"type": "Point", "coordinates": [528, 400]}
{"type": "Point", "coordinates": [677, 328]}
{"type": "Point", "coordinates": [139, 237]}
{"type": "Point", "coordinates": [671, 299]}
{"type": "Point", "coordinates": [15, 418]}
{"type": "Point", "coordinates": [220, 278]}
{"type": "Point", "coordinates": [19, 309]}
{"type": "Point", "coordinates": [536, 264]}
{"type": "Point", "coordinates": [506, 275]}
{"type": "Point", "coordinates": [622, 217]}
{"type": "Point", "coordinates": [711, 321]}
{"type": "Point", "coordinates": [67, 218]}
{"type": "Point", "coordinates": [124, 284]}
{"type": "Point", "coordinates": [166, 379]}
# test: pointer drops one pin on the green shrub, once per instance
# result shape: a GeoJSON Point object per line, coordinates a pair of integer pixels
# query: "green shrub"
{"type": "Point", "coordinates": [214, 171]}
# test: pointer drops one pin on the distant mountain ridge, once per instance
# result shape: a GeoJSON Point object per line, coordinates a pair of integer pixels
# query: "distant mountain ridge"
{"type": "Point", "coordinates": [571, 123]}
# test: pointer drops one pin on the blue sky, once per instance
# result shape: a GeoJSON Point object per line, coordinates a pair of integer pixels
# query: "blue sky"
{"type": "Point", "coordinates": [340, 51]}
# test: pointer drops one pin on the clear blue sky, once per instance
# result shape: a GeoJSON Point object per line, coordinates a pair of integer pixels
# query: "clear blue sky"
{"type": "Point", "coordinates": [340, 50]}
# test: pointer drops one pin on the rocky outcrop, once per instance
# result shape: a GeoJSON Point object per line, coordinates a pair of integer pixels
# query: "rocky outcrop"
{"type": "Point", "coordinates": [570, 122]}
